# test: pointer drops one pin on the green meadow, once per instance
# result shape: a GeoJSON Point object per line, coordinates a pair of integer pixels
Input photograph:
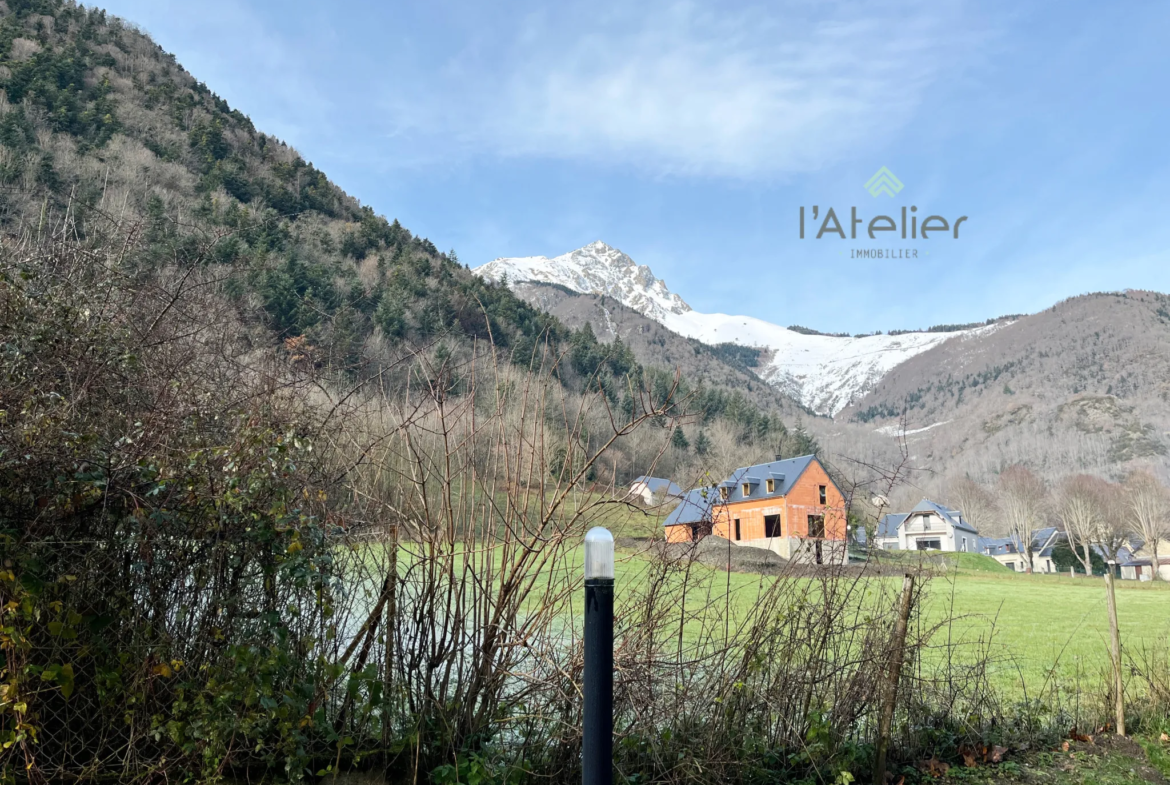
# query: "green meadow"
{"type": "Point", "coordinates": [1034, 630]}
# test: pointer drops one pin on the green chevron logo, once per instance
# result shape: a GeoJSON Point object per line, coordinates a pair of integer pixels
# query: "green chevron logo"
{"type": "Point", "coordinates": [883, 182]}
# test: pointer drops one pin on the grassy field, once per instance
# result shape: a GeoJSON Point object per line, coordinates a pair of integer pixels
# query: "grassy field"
{"type": "Point", "coordinates": [1044, 623]}
{"type": "Point", "coordinates": [1037, 626]}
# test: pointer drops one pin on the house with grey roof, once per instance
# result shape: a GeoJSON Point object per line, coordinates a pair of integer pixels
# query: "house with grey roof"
{"type": "Point", "coordinates": [1009, 552]}
{"type": "Point", "coordinates": [654, 490]}
{"type": "Point", "coordinates": [789, 506]}
{"type": "Point", "coordinates": [694, 512]}
{"type": "Point", "coordinates": [927, 527]}
{"type": "Point", "coordinates": [1137, 562]}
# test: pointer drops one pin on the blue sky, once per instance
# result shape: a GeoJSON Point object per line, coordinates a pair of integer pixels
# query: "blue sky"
{"type": "Point", "coordinates": [689, 134]}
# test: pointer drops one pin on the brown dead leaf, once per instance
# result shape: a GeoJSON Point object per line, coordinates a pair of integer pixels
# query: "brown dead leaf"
{"type": "Point", "coordinates": [936, 768]}
{"type": "Point", "coordinates": [997, 754]}
{"type": "Point", "coordinates": [1164, 737]}
{"type": "Point", "coordinates": [968, 756]}
{"type": "Point", "coordinates": [1064, 747]}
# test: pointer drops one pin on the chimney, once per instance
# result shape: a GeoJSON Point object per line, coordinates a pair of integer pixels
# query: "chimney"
{"type": "Point", "coordinates": [779, 457]}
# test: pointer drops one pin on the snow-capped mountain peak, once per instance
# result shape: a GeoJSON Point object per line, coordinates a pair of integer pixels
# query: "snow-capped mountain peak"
{"type": "Point", "coordinates": [595, 269]}
{"type": "Point", "coordinates": [824, 372]}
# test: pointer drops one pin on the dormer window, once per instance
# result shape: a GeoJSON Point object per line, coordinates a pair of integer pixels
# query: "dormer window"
{"type": "Point", "coordinates": [771, 485]}
{"type": "Point", "coordinates": [723, 494]}
{"type": "Point", "coordinates": [747, 490]}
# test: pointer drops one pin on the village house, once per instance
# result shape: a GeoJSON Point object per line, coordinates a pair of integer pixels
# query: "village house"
{"type": "Point", "coordinates": [654, 490]}
{"type": "Point", "coordinates": [928, 527]}
{"type": "Point", "coordinates": [691, 519]}
{"type": "Point", "coordinates": [791, 507]}
{"type": "Point", "coordinates": [1137, 566]}
{"type": "Point", "coordinates": [1009, 552]}
{"type": "Point", "coordinates": [934, 527]}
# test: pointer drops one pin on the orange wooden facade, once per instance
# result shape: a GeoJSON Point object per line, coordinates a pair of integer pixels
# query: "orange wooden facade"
{"type": "Point", "coordinates": [776, 515]}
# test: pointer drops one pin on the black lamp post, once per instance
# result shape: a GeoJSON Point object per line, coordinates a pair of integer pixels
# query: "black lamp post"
{"type": "Point", "coordinates": [597, 741]}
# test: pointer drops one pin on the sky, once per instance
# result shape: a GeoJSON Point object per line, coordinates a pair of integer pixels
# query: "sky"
{"type": "Point", "coordinates": [690, 134]}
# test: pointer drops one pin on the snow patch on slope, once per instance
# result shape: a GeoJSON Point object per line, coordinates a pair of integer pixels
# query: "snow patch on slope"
{"type": "Point", "coordinates": [896, 430]}
{"type": "Point", "coordinates": [823, 372]}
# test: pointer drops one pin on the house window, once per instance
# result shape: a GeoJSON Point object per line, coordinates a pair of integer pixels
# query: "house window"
{"type": "Point", "coordinates": [772, 526]}
{"type": "Point", "coordinates": [771, 486]}
{"type": "Point", "coordinates": [723, 494]}
{"type": "Point", "coordinates": [816, 526]}
{"type": "Point", "coordinates": [699, 531]}
{"type": "Point", "coordinates": [929, 545]}
{"type": "Point", "coordinates": [737, 528]}
{"type": "Point", "coordinates": [747, 490]}
{"type": "Point", "coordinates": [821, 490]}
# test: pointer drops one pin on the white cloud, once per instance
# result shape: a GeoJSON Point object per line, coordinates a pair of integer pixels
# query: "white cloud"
{"type": "Point", "coordinates": [682, 90]}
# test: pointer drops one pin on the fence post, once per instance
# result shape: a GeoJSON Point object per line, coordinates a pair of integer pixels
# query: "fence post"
{"type": "Point", "coordinates": [597, 726]}
{"type": "Point", "coordinates": [1115, 652]}
{"type": "Point", "coordinates": [890, 696]}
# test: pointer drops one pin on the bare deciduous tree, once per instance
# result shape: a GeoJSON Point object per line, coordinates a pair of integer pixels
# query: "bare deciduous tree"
{"type": "Point", "coordinates": [1149, 509]}
{"type": "Point", "coordinates": [1023, 500]}
{"type": "Point", "coordinates": [1113, 531]}
{"type": "Point", "coordinates": [975, 502]}
{"type": "Point", "coordinates": [1080, 503]}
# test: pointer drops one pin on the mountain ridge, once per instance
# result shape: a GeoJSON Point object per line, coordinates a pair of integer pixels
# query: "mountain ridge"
{"type": "Point", "coordinates": [825, 373]}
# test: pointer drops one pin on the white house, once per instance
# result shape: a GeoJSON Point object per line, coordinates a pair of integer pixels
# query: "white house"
{"type": "Point", "coordinates": [1138, 566]}
{"type": "Point", "coordinates": [1008, 551]}
{"type": "Point", "coordinates": [928, 527]}
{"type": "Point", "coordinates": [654, 490]}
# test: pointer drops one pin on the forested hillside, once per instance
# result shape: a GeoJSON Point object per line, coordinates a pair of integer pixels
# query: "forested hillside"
{"type": "Point", "coordinates": [1080, 386]}
{"type": "Point", "coordinates": [99, 124]}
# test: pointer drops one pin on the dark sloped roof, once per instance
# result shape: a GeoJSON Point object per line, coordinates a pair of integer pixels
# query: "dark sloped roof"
{"type": "Point", "coordinates": [658, 484]}
{"type": "Point", "coordinates": [785, 473]}
{"type": "Point", "coordinates": [1124, 553]}
{"type": "Point", "coordinates": [1043, 542]}
{"type": "Point", "coordinates": [695, 507]}
{"type": "Point", "coordinates": [888, 525]}
{"type": "Point", "coordinates": [996, 546]}
{"type": "Point", "coordinates": [1146, 561]}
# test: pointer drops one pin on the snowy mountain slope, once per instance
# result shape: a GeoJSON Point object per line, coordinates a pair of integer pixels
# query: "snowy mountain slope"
{"type": "Point", "coordinates": [823, 372]}
{"type": "Point", "coordinates": [595, 269]}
